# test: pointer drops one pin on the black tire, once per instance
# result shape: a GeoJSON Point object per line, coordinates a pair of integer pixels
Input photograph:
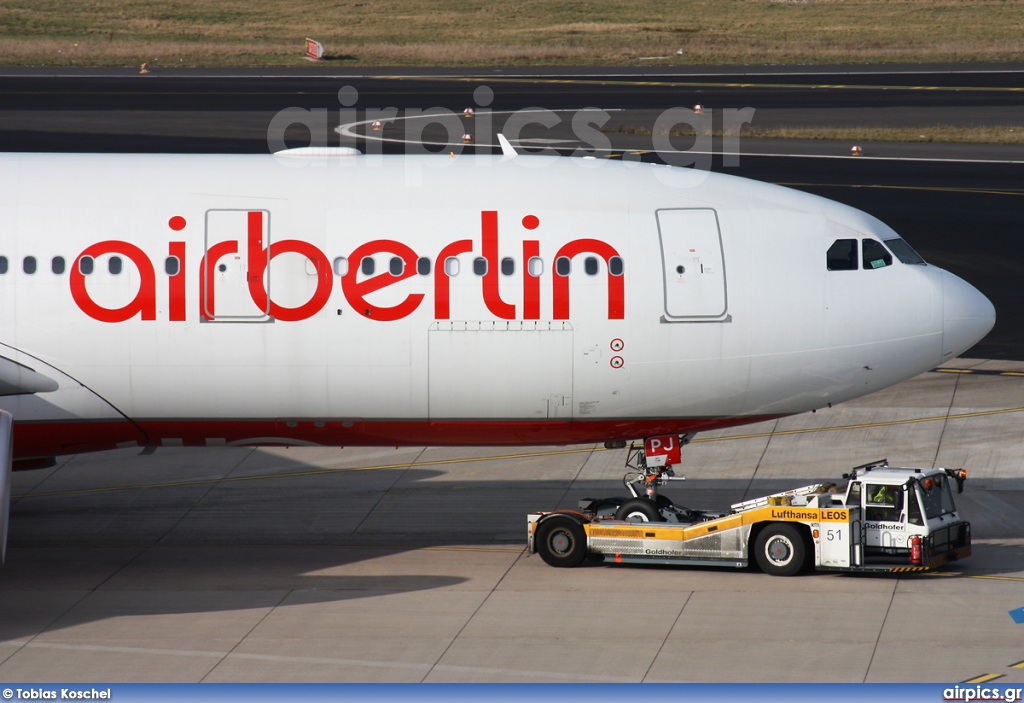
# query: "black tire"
{"type": "Point", "coordinates": [780, 550]}
{"type": "Point", "coordinates": [560, 541]}
{"type": "Point", "coordinates": [639, 510]}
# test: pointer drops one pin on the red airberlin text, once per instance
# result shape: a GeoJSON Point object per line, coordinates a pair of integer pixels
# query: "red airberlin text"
{"type": "Point", "coordinates": [357, 290]}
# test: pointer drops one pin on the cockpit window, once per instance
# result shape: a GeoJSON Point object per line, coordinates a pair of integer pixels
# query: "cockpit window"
{"type": "Point", "coordinates": [842, 255]}
{"type": "Point", "coordinates": [875, 255]}
{"type": "Point", "coordinates": [903, 251]}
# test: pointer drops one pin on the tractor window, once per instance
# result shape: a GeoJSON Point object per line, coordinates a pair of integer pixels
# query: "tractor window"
{"type": "Point", "coordinates": [883, 502]}
{"type": "Point", "coordinates": [936, 497]}
{"type": "Point", "coordinates": [913, 508]}
{"type": "Point", "coordinates": [853, 495]}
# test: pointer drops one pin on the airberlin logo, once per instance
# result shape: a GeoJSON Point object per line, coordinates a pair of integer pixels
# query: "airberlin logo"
{"type": "Point", "coordinates": [358, 290]}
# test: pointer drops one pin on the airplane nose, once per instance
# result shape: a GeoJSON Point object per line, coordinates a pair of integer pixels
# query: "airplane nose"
{"type": "Point", "coordinates": [967, 316]}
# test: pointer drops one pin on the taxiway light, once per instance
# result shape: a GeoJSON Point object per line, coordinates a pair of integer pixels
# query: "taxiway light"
{"type": "Point", "coordinates": [468, 113]}
{"type": "Point", "coordinates": [376, 125]}
{"type": "Point", "coordinates": [698, 109]}
{"type": "Point", "coordinates": [855, 151]}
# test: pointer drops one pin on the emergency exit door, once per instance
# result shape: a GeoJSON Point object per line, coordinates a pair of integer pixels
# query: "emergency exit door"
{"type": "Point", "coordinates": [237, 250]}
{"type": "Point", "coordinates": [694, 264]}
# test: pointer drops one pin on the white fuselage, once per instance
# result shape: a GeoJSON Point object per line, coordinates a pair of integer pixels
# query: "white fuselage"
{"type": "Point", "coordinates": [229, 299]}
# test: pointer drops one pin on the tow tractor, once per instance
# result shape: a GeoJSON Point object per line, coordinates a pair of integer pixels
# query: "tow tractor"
{"type": "Point", "coordinates": [879, 519]}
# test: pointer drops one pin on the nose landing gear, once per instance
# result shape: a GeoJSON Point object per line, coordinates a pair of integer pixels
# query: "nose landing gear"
{"type": "Point", "coordinates": [649, 467]}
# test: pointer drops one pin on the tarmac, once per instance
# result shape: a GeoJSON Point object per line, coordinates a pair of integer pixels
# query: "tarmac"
{"type": "Point", "coordinates": [241, 564]}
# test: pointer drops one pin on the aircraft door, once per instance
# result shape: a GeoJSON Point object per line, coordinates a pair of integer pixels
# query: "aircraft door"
{"type": "Point", "coordinates": [694, 264]}
{"type": "Point", "coordinates": [236, 253]}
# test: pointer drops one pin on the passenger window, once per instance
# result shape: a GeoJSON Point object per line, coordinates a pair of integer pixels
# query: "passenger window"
{"type": "Point", "coordinates": [423, 266]}
{"type": "Point", "coordinates": [903, 251]}
{"type": "Point", "coordinates": [480, 266]}
{"type": "Point", "coordinates": [397, 266]}
{"type": "Point", "coordinates": [590, 266]}
{"type": "Point", "coordinates": [114, 265]}
{"type": "Point", "coordinates": [28, 264]}
{"type": "Point", "coordinates": [85, 265]}
{"type": "Point", "coordinates": [563, 265]}
{"type": "Point", "coordinates": [451, 266]}
{"type": "Point", "coordinates": [875, 255]}
{"type": "Point", "coordinates": [3, 265]}
{"type": "Point", "coordinates": [615, 266]}
{"type": "Point", "coordinates": [508, 266]}
{"type": "Point", "coordinates": [842, 255]}
{"type": "Point", "coordinates": [172, 266]}
{"type": "Point", "coordinates": [340, 266]}
{"type": "Point", "coordinates": [368, 266]}
{"type": "Point", "coordinates": [535, 266]}
{"type": "Point", "coordinates": [57, 265]}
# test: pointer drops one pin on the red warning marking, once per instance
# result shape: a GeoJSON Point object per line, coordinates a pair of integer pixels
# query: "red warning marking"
{"type": "Point", "coordinates": [617, 362]}
{"type": "Point", "coordinates": [617, 344]}
{"type": "Point", "coordinates": [662, 451]}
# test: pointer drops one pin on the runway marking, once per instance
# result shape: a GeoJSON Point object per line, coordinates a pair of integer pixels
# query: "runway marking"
{"type": "Point", "coordinates": [954, 574]}
{"type": "Point", "coordinates": [921, 159]}
{"type": "Point", "coordinates": [501, 457]}
{"type": "Point", "coordinates": [1018, 665]}
{"type": "Point", "coordinates": [275, 545]}
{"type": "Point", "coordinates": [984, 678]}
{"type": "Point", "coordinates": [709, 84]}
{"type": "Point", "coordinates": [937, 189]}
{"type": "Point", "coordinates": [349, 130]}
{"type": "Point", "coordinates": [888, 423]}
{"type": "Point", "coordinates": [317, 472]}
{"type": "Point", "coordinates": [980, 372]}
{"type": "Point", "coordinates": [389, 664]}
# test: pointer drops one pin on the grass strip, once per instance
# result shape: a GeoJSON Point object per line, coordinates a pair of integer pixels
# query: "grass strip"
{"type": "Point", "coordinates": [479, 32]}
{"type": "Point", "coordinates": [938, 133]}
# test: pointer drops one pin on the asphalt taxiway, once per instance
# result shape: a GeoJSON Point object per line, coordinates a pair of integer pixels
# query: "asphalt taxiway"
{"type": "Point", "coordinates": [319, 564]}
{"type": "Point", "coordinates": [326, 564]}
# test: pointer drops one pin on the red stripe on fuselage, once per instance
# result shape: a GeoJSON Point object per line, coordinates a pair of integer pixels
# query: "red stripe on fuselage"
{"type": "Point", "coordinates": [55, 438]}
